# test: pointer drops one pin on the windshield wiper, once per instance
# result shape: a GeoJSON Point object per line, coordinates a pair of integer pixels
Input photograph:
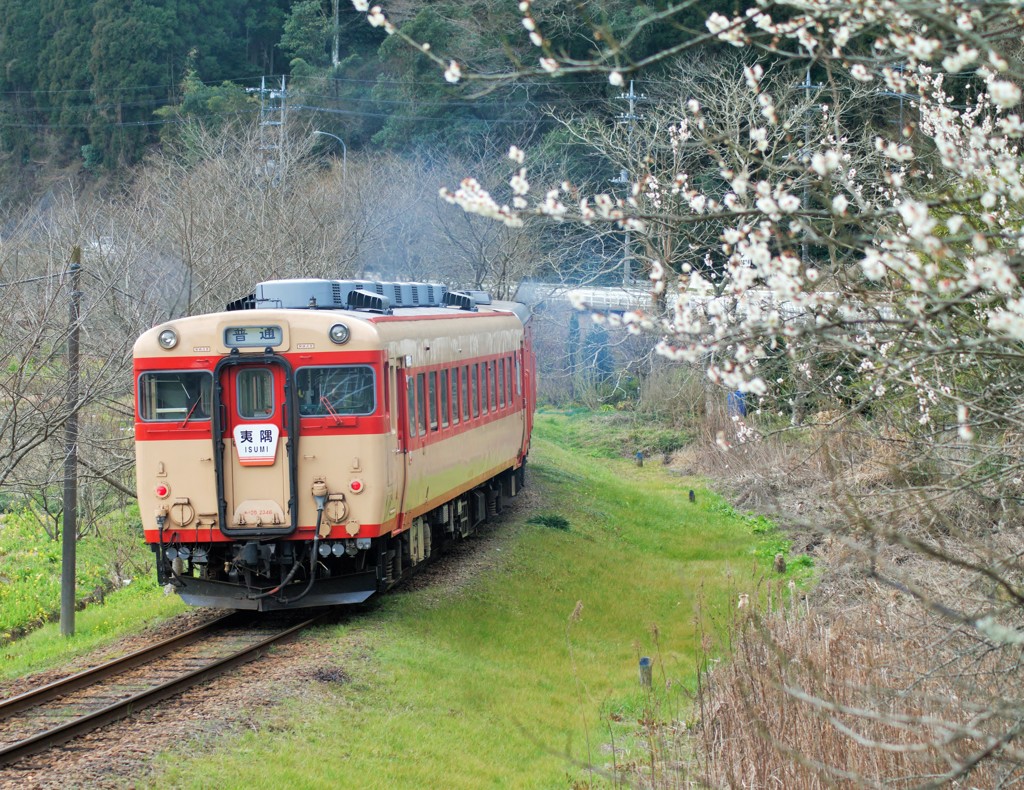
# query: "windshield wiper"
{"type": "Point", "coordinates": [188, 416]}
{"type": "Point", "coordinates": [330, 409]}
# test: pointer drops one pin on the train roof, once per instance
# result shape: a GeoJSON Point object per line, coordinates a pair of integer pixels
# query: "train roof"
{"type": "Point", "coordinates": [300, 306]}
{"type": "Point", "coordinates": [362, 295]}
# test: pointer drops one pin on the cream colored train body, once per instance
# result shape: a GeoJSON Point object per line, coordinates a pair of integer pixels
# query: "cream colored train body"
{"type": "Point", "coordinates": [319, 440]}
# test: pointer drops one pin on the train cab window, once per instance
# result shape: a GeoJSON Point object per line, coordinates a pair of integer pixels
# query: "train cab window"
{"type": "Point", "coordinates": [445, 398]}
{"type": "Point", "coordinates": [255, 388]}
{"type": "Point", "coordinates": [421, 399]}
{"type": "Point", "coordinates": [432, 398]}
{"type": "Point", "coordinates": [501, 383]}
{"type": "Point", "coordinates": [327, 391]}
{"type": "Point", "coordinates": [464, 391]}
{"type": "Point", "coordinates": [167, 396]}
{"type": "Point", "coordinates": [455, 395]}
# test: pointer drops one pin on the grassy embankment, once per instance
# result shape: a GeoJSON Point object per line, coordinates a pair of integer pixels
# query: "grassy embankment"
{"type": "Point", "coordinates": [500, 684]}
{"type": "Point", "coordinates": [30, 567]}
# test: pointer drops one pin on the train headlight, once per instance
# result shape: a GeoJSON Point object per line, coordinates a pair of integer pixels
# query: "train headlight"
{"type": "Point", "coordinates": [325, 550]}
{"type": "Point", "coordinates": [338, 549]}
{"type": "Point", "coordinates": [339, 334]}
{"type": "Point", "coordinates": [167, 339]}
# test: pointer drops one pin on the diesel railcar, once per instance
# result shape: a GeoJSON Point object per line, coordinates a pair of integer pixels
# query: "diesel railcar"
{"type": "Point", "coordinates": [320, 438]}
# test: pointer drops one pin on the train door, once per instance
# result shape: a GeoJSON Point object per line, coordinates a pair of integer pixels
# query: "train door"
{"type": "Point", "coordinates": [395, 443]}
{"type": "Point", "coordinates": [257, 466]}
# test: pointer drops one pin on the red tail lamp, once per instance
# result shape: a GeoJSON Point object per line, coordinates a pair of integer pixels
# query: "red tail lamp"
{"type": "Point", "coordinates": [356, 486]}
{"type": "Point", "coordinates": [162, 490]}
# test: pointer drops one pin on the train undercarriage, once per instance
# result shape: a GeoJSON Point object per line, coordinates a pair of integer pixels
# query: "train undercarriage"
{"type": "Point", "coordinates": [275, 573]}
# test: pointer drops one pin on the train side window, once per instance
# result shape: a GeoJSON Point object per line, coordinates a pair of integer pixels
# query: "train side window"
{"type": "Point", "coordinates": [445, 397]}
{"type": "Point", "coordinates": [421, 398]}
{"type": "Point", "coordinates": [501, 383]}
{"type": "Point", "coordinates": [345, 389]}
{"type": "Point", "coordinates": [474, 387]}
{"type": "Point", "coordinates": [464, 376]}
{"type": "Point", "coordinates": [493, 389]}
{"type": "Point", "coordinates": [455, 396]}
{"type": "Point", "coordinates": [519, 376]}
{"type": "Point", "coordinates": [169, 396]}
{"type": "Point", "coordinates": [255, 388]}
{"type": "Point", "coordinates": [484, 408]}
{"type": "Point", "coordinates": [432, 398]}
{"type": "Point", "coordinates": [410, 402]}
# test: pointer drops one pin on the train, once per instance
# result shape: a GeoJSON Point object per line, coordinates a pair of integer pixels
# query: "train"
{"type": "Point", "coordinates": [318, 440]}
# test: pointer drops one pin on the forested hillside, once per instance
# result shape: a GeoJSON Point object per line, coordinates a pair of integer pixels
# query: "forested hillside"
{"type": "Point", "coordinates": [100, 83]}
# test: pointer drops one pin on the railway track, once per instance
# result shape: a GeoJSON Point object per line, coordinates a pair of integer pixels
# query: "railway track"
{"type": "Point", "coordinates": [58, 712]}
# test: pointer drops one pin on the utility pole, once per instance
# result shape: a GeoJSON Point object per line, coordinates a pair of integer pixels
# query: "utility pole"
{"type": "Point", "coordinates": [630, 118]}
{"type": "Point", "coordinates": [70, 533]}
{"type": "Point", "coordinates": [335, 47]}
{"type": "Point", "coordinates": [273, 114]}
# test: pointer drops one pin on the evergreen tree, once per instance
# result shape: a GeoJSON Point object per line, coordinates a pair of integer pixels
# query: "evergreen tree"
{"type": "Point", "coordinates": [64, 69]}
{"type": "Point", "coordinates": [20, 44]}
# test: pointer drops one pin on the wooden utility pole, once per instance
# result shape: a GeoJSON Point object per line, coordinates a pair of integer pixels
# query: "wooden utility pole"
{"type": "Point", "coordinates": [70, 534]}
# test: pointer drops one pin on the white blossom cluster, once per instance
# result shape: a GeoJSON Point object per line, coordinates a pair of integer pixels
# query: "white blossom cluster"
{"type": "Point", "coordinates": [894, 253]}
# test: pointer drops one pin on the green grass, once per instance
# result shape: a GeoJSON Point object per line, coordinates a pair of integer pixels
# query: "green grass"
{"type": "Point", "coordinates": [125, 611]}
{"type": "Point", "coordinates": [30, 569]}
{"type": "Point", "coordinates": [522, 678]}
{"type": "Point", "coordinates": [610, 434]}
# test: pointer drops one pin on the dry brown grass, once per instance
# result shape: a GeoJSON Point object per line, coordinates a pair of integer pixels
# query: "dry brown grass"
{"type": "Point", "coordinates": [871, 679]}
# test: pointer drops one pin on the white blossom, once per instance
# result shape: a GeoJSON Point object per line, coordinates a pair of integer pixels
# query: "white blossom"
{"type": "Point", "coordinates": [453, 73]}
{"type": "Point", "coordinates": [825, 162]}
{"type": "Point", "coordinates": [1004, 94]}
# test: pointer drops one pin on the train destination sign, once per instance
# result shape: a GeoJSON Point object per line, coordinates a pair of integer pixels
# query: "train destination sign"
{"type": "Point", "coordinates": [253, 336]}
{"type": "Point", "coordinates": [256, 443]}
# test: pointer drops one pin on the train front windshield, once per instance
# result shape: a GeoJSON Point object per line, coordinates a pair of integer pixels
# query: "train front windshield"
{"type": "Point", "coordinates": [175, 395]}
{"type": "Point", "coordinates": [345, 389]}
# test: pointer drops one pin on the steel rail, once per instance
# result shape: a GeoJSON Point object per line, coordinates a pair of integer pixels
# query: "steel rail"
{"type": "Point", "coordinates": [88, 677]}
{"type": "Point", "coordinates": [131, 705]}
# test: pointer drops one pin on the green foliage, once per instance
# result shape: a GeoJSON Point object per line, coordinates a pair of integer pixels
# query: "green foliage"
{"type": "Point", "coordinates": [306, 33]}
{"type": "Point", "coordinates": [91, 157]}
{"type": "Point", "coordinates": [203, 108]}
{"type": "Point", "coordinates": [550, 520]}
{"type": "Point", "coordinates": [612, 434]}
{"type": "Point", "coordinates": [93, 73]}
{"type": "Point", "coordinates": [31, 566]}
{"type": "Point", "coordinates": [771, 540]}
{"type": "Point", "coordinates": [124, 611]}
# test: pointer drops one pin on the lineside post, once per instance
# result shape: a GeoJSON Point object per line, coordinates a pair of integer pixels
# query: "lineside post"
{"type": "Point", "coordinates": [70, 533]}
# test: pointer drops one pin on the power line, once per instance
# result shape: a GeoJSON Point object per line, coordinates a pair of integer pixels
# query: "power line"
{"type": "Point", "coordinates": [32, 280]}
